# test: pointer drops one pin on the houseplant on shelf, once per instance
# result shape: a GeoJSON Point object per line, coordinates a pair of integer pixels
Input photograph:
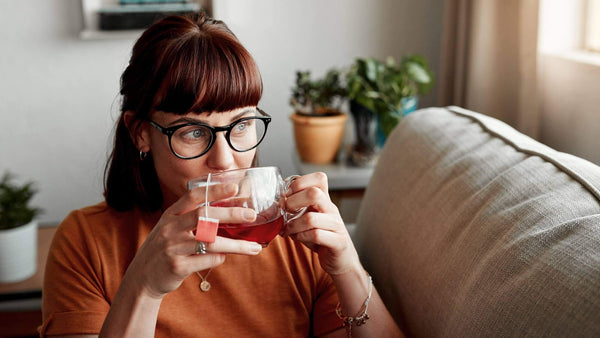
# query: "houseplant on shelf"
{"type": "Point", "coordinates": [318, 121]}
{"type": "Point", "coordinates": [380, 94]}
{"type": "Point", "coordinates": [18, 230]}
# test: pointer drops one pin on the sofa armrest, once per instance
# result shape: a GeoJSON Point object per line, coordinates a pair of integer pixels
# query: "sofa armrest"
{"type": "Point", "coordinates": [470, 228]}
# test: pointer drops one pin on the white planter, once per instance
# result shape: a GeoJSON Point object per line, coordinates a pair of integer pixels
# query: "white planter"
{"type": "Point", "coordinates": [18, 253]}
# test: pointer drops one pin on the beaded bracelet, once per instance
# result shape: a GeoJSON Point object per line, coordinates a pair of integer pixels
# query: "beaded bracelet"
{"type": "Point", "coordinates": [361, 317]}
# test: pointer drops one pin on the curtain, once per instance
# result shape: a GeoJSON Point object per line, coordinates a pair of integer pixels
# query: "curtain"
{"type": "Point", "coordinates": [489, 60]}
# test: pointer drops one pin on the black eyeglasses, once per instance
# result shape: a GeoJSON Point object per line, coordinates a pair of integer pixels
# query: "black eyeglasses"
{"type": "Point", "coordinates": [192, 140]}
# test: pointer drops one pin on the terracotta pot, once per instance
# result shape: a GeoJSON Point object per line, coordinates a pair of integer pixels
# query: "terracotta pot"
{"type": "Point", "coordinates": [318, 138]}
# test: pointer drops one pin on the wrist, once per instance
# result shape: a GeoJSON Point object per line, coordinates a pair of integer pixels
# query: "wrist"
{"type": "Point", "coordinates": [361, 315]}
{"type": "Point", "coordinates": [134, 286]}
{"type": "Point", "coordinates": [133, 312]}
{"type": "Point", "coordinates": [352, 288]}
{"type": "Point", "coordinates": [353, 274]}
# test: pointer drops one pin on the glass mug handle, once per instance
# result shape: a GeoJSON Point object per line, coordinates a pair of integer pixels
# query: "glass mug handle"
{"type": "Point", "coordinates": [290, 216]}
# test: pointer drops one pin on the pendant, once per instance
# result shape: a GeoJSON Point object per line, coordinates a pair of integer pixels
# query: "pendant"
{"type": "Point", "coordinates": [204, 286]}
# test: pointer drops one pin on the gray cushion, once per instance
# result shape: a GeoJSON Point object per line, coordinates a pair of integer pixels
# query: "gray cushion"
{"type": "Point", "coordinates": [473, 229]}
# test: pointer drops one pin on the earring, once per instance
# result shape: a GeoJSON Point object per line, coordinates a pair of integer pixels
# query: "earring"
{"type": "Point", "coordinates": [143, 155]}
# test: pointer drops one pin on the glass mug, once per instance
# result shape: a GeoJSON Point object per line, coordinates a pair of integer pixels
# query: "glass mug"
{"type": "Point", "coordinates": [261, 189]}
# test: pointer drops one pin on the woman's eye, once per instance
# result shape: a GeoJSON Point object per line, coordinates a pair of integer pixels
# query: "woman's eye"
{"type": "Point", "coordinates": [195, 134]}
{"type": "Point", "coordinates": [242, 126]}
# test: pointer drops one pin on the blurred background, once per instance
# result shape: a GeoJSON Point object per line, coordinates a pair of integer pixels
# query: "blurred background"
{"type": "Point", "coordinates": [534, 64]}
{"type": "Point", "coordinates": [59, 76]}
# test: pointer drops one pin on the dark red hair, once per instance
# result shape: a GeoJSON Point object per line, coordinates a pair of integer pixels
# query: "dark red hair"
{"type": "Point", "coordinates": [180, 64]}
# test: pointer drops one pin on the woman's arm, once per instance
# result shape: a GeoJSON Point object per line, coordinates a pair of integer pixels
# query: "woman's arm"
{"type": "Point", "coordinates": [133, 312]}
{"type": "Point", "coordinates": [322, 230]}
{"type": "Point", "coordinates": [166, 258]}
{"type": "Point", "coordinates": [353, 289]}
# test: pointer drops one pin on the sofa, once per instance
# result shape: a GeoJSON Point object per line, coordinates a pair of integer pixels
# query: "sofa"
{"type": "Point", "coordinates": [472, 229]}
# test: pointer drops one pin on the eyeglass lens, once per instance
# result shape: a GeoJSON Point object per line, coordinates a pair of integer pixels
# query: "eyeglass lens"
{"type": "Point", "coordinates": [193, 140]}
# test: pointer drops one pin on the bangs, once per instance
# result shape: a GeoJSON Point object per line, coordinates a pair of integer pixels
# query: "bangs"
{"type": "Point", "coordinates": [207, 74]}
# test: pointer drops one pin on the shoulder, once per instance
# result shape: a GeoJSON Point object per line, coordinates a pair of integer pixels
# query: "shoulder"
{"type": "Point", "coordinates": [100, 227]}
{"type": "Point", "coordinates": [98, 241]}
{"type": "Point", "coordinates": [100, 218]}
{"type": "Point", "coordinates": [98, 213]}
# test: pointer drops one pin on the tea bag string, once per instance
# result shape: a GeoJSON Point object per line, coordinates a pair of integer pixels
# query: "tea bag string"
{"type": "Point", "coordinates": [204, 284]}
{"type": "Point", "coordinates": [206, 196]}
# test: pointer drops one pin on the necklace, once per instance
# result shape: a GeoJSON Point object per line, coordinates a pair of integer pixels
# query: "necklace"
{"type": "Point", "coordinates": [204, 285]}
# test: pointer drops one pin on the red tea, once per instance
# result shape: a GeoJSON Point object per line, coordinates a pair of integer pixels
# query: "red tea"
{"type": "Point", "coordinates": [261, 233]}
{"type": "Point", "coordinates": [267, 225]}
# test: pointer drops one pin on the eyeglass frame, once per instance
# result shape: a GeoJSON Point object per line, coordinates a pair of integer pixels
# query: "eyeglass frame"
{"type": "Point", "coordinates": [169, 131]}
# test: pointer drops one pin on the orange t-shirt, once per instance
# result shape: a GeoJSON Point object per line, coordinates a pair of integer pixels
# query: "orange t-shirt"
{"type": "Point", "coordinates": [281, 292]}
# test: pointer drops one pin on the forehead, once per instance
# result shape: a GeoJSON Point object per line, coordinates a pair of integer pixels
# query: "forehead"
{"type": "Point", "coordinates": [212, 118]}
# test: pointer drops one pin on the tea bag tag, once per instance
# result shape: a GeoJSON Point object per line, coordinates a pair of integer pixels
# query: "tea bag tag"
{"type": "Point", "coordinates": [206, 229]}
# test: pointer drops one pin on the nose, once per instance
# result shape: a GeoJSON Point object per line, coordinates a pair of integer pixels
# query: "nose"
{"type": "Point", "coordinates": [220, 156]}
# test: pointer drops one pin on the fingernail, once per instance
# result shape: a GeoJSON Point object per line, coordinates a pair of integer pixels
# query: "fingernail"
{"type": "Point", "coordinates": [255, 247]}
{"type": "Point", "coordinates": [248, 214]}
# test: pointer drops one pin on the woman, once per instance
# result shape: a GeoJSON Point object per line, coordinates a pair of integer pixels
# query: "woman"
{"type": "Point", "coordinates": [130, 266]}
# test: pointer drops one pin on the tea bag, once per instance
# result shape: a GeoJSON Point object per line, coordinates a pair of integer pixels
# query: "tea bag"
{"type": "Point", "coordinates": [206, 229]}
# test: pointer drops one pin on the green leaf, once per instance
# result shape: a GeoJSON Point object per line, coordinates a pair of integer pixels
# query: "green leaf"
{"type": "Point", "coordinates": [365, 101]}
{"type": "Point", "coordinates": [371, 70]}
{"type": "Point", "coordinates": [14, 203]}
{"type": "Point", "coordinates": [372, 94]}
{"type": "Point", "coordinates": [388, 122]}
{"type": "Point", "coordinates": [382, 85]}
{"type": "Point", "coordinates": [417, 73]}
{"type": "Point", "coordinates": [390, 62]}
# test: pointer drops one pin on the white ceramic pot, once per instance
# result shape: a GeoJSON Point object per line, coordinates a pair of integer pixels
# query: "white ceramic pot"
{"type": "Point", "coordinates": [18, 253]}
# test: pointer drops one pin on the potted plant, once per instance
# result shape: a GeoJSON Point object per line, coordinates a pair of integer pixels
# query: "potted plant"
{"type": "Point", "coordinates": [380, 94]}
{"type": "Point", "coordinates": [18, 230]}
{"type": "Point", "coordinates": [317, 119]}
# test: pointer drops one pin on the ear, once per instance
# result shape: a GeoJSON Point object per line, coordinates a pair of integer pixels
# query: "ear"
{"type": "Point", "coordinates": [138, 131]}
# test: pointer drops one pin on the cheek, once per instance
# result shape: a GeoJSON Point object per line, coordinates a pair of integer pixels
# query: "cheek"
{"type": "Point", "coordinates": [244, 160]}
{"type": "Point", "coordinates": [174, 173]}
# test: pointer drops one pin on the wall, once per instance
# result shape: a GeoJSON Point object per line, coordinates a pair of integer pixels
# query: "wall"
{"type": "Point", "coordinates": [58, 94]}
{"type": "Point", "coordinates": [570, 104]}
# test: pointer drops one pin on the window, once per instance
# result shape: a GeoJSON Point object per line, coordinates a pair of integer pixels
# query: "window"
{"type": "Point", "coordinates": [570, 28]}
{"type": "Point", "coordinates": [592, 29]}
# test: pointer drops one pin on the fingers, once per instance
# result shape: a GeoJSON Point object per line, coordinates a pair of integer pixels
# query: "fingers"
{"type": "Point", "coordinates": [310, 191]}
{"type": "Point", "coordinates": [198, 196]}
{"type": "Point", "coordinates": [311, 197]}
{"type": "Point", "coordinates": [234, 215]}
{"type": "Point", "coordinates": [221, 245]}
{"type": "Point", "coordinates": [215, 253]}
{"type": "Point", "coordinates": [316, 238]}
{"type": "Point", "coordinates": [184, 261]}
{"type": "Point", "coordinates": [312, 220]}
{"type": "Point", "coordinates": [231, 246]}
{"type": "Point", "coordinates": [228, 215]}
{"type": "Point", "coordinates": [317, 179]}
{"type": "Point", "coordinates": [183, 266]}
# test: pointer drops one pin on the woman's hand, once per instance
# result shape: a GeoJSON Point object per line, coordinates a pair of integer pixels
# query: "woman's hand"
{"type": "Point", "coordinates": [321, 227]}
{"type": "Point", "coordinates": [168, 256]}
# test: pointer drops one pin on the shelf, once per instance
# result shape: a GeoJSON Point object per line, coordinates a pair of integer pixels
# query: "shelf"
{"type": "Point", "coordinates": [91, 21]}
{"type": "Point", "coordinates": [341, 176]}
{"type": "Point", "coordinates": [94, 34]}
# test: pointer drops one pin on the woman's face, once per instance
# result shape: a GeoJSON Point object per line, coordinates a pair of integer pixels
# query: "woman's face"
{"type": "Point", "coordinates": [173, 172]}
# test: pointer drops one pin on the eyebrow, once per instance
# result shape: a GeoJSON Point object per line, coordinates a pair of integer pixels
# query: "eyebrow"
{"type": "Point", "coordinates": [193, 120]}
